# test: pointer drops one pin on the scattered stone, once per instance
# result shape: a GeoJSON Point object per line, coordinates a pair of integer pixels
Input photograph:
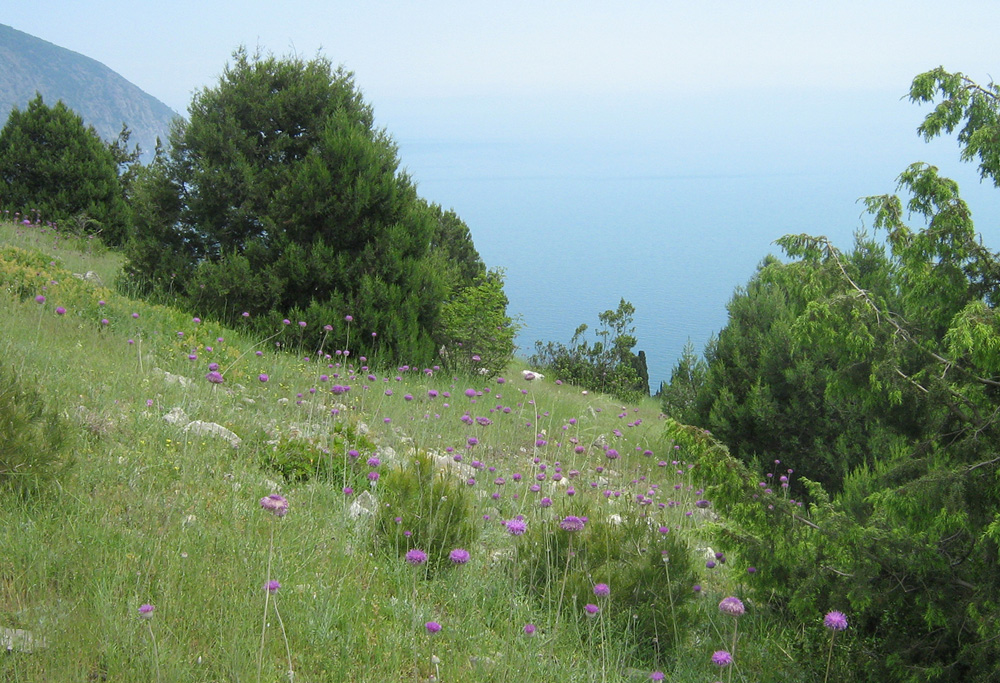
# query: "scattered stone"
{"type": "Point", "coordinates": [171, 378]}
{"type": "Point", "coordinates": [213, 429]}
{"type": "Point", "coordinates": [363, 505]}
{"type": "Point", "coordinates": [176, 416]}
{"type": "Point", "coordinates": [90, 276]}
{"type": "Point", "coordinates": [387, 454]}
{"type": "Point", "coordinates": [19, 640]}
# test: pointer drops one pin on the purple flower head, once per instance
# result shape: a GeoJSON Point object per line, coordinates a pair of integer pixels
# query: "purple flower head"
{"type": "Point", "coordinates": [416, 556]}
{"type": "Point", "coordinates": [40, 299]}
{"type": "Point", "coordinates": [571, 523]}
{"type": "Point", "coordinates": [215, 377]}
{"type": "Point", "coordinates": [432, 626]}
{"type": "Point", "coordinates": [471, 393]}
{"type": "Point", "coordinates": [591, 609]}
{"type": "Point", "coordinates": [272, 587]}
{"type": "Point", "coordinates": [732, 605]}
{"type": "Point", "coordinates": [529, 629]}
{"type": "Point", "coordinates": [722, 658]}
{"type": "Point", "coordinates": [516, 527]}
{"type": "Point", "coordinates": [278, 505]}
{"type": "Point", "coordinates": [60, 310]}
{"type": "Point", "coordinates": [602, 590]}
{"type": "Point", "coordinates": [459, 556]}
{"type": "Point", "coordinates": [657, 676]}
{"type": "Point", "coordinates": [263, 377]}
{"type": "Point", "coordinates": [146, 611]}
{"type": "Point", "coordinates": [835, 621]}
{"type": "Point", "coordinates": [702, 504]}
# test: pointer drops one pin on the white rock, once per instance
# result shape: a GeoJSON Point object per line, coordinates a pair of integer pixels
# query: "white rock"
{"type": "Point", "coordinates": [531, 375]}
{"type": "Point", "coordinates": [171, 378]}
{"type": "Point", "coordinates": [19, 640]}
{"type": "Point", "coordinates": [363, 505]}
{"type": "Point", "coordinates": [176, 416]}
{"type": "Point", "coordinates": [213, 429]}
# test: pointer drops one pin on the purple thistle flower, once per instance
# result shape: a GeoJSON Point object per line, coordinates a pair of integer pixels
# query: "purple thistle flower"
{"type": "Point", "coordinates": [602, 590]}
{"type": "Point", "coordinates": [40, 299]}
{"type": "Point", "coordinates": [278, 505]}
{"type": "Point", "coordinates": [516, 527]}
{"type": "Point", "coordinates": [835, 621]}
{"type": "Point", "coordinates": [459, 556]}
{"type": "Point", "coordinates": [732, 605]}
{"type": "Point", "coordinates": [591, 609]}
{"type": "Point", "coordinates": [571, 523]}
{"type": "Point", "coordinates": [263, 377]}
{"type": "Point", "coordinates": [432, 626]}
{"type": "Point", "coordinates": [215, 377]}
{"type": "Point", "coordinates": [657, 676]}
{"type": "Point", "coordinates": [60, 310]}
{"type": "Point", "coordinates": [722, 658]}
{"type": "Point", "coordinates": [146, 611]}
{"type": "Point", "coordinates": [529, 629]}
{"type": "Point", "coordinates": [272, 587]}
{"type": "Point", "coordinates": [416, 556]}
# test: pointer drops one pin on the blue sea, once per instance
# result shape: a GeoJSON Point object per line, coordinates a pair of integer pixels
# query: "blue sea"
{"type": "Point", "coordinates": [668, 205]}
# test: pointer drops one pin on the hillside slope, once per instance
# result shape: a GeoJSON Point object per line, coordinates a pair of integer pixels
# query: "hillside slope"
{"type": "Point", "coordinates": [102, 97]}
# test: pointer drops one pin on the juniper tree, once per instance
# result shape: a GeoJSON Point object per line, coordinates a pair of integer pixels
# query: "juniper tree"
{"type": "Point", "coordinates": [51, 162]}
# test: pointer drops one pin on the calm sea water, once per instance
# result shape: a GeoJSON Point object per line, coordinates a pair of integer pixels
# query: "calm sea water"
{"type": "Point", "coordinates": [670, 217]}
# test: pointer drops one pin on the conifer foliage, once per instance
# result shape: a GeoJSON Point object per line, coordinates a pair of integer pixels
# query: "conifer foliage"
{"type": "Point", "coordinates": [57, 168]}
{"type": "Point", "coordinates": [873, 375]}
{"type": "Point", "coordinates": [281, 198]}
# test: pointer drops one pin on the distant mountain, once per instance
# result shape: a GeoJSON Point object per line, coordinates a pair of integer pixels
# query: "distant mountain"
{"type": "Point", "coordinates": [104, 99]}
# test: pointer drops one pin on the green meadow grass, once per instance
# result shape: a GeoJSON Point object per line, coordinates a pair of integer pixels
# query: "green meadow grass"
{"type": "Point", "coordinates": [144, 513]}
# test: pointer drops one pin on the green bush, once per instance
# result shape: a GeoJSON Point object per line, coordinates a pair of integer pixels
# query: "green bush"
{"type": "Point", "coordinates": [329, 457]}
{"type": "Point", "coordinates": [650, 576]}
{"type": "Point", "coordinates": [432, 506]}
{"type": "Point", "coordinates": [33, 439]}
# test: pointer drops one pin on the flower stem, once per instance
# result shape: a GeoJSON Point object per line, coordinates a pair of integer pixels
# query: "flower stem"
{"type": "Point", "coordinates": [829, 656]}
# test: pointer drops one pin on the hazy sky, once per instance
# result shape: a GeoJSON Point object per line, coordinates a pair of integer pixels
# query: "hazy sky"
{"type": "Point", "coordinates": [515, 48]}
{"type": "Point", "coordinates": [672, 139]}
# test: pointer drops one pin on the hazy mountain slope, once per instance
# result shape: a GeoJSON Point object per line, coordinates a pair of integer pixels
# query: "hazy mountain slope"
{"type": "Point", "coordinates": [102, 97]}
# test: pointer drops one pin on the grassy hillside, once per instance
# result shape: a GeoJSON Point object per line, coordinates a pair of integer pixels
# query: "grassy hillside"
{"type": "Point", "coordinates": [552, 493]}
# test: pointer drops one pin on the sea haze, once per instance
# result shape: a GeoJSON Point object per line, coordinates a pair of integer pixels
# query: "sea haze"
{"type": "Point", "coordinates": [670, 205]}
